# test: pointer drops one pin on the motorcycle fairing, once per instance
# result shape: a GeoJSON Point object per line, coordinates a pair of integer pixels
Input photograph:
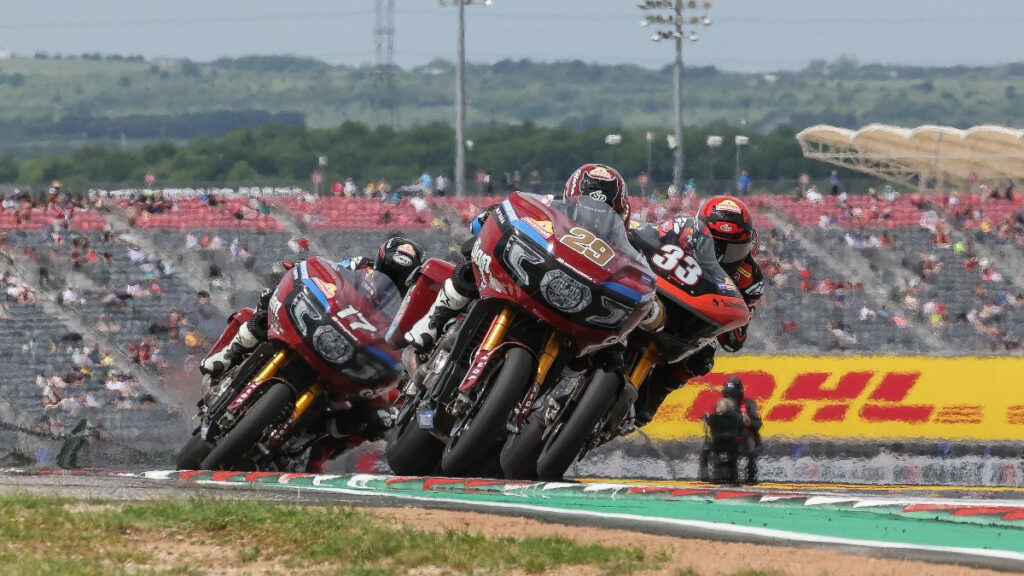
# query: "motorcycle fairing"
{"type": "Point", "coordinates": [514, 261]}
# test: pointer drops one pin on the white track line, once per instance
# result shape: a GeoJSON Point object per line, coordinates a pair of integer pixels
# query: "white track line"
{"type": "Point", "coordinates": [772, 533]}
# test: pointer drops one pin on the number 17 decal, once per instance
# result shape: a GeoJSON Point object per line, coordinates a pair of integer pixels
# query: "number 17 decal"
{"type": "Point", "coordinates": [675, 260]}
{"type": "Point", "coordinates": [355, 320]}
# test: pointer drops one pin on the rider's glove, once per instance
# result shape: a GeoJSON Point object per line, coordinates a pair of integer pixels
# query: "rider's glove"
{"type": "Point", "coordinates": [701, 362]}
{"type": "Point", "coordinates": [732, 341]}
{"type": "Point", "coordinates": [258, 322]}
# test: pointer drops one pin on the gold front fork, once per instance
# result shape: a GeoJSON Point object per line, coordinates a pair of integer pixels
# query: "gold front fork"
{"type": "Point", "coordinates": [644, 365]}
{"type": "Point", "coordinates": [272, 367]}
{"type": "Point", "coordinates": [547, 357]}
{"type": "Point", "coordinates": [499, 327]}
{"type": "Point", "coordinates": [305, 399]}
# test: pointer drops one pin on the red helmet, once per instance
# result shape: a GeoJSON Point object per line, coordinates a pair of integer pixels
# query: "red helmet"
{"type": "Point", "coordinates": [730, 224]}
{"type": "Point", "coordinates": [602, 183]}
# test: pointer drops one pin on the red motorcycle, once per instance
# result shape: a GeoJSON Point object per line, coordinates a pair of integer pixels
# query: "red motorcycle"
{"type": "Point", "coordinates": [557, 281]}
{"type": "Point", "coordinates": [325, 358]}
{"type": "Point", "coordinates": [700, 302]}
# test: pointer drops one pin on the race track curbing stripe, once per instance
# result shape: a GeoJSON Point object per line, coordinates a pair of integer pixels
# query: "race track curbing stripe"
{"type": "Point", "coordinates": [989, 529]}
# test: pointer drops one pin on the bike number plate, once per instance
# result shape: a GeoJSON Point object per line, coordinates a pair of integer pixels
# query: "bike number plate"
{"type": "Point", "coordinates": [425, 418]}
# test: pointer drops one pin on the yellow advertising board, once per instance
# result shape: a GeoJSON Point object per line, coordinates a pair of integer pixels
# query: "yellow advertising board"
{"type": "Point", "coordinates": [855, 398]}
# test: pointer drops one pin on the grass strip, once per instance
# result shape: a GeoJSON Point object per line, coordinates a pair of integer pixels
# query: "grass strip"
{"type": "Point", "coordinates": [45, 535]}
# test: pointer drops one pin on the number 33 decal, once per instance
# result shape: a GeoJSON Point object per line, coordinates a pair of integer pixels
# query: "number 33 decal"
{"type": "Point", "coordinates": [675, 260]}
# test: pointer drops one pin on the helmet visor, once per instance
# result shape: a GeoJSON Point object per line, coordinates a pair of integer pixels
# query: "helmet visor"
{"type": "Point", "coordinates": [729, 253]}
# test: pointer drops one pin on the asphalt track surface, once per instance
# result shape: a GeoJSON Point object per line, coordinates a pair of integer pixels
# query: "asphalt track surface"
{"type": "Point", "coordinates": [132, 487]}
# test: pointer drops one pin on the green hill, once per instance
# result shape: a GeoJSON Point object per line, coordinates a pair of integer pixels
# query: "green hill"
{"type": "Point", "coordinates": [50, 104]}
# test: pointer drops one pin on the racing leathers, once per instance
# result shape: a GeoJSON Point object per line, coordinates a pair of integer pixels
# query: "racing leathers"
{"type": "Point", "coordinates": [665, 378]}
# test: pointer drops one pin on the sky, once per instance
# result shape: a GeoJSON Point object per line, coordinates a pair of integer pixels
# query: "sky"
{"type": "Point", "coordinates": [745, 35]}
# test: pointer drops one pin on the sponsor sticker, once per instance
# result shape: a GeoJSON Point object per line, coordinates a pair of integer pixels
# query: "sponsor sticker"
{"type": "Point", "coordinates": [860, 398]}
{"type": "Point", "coordinates": [601, 173]}
{"type": "Point", "coordinates": [543, 227]}
{"type": "Point", "coordinates": [729, 206]}
{"type": "Point", "coordinates": [326, 287]}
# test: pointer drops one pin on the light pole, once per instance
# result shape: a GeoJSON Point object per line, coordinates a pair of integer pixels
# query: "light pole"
{"type": "Point", "coordinates": [460, 93]}
{"type": "Point", "coordinates": [713, 143]}
{"type": "Point", "coordinates": [650, 140]}
{"type": "Point", "coordinates": [674, 15]}
{"type": "Point", "coordinates": [741, 141]}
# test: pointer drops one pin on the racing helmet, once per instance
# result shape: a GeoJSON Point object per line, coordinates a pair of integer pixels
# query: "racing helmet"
{"type": "Point", "coordinates": [729, 222]}
{"type": "Point", "coordinates": [733, 389]}
{"type": "Point", "coordinates": [602, 183]}
{"type": "Point", "coordinates": [397, 259]}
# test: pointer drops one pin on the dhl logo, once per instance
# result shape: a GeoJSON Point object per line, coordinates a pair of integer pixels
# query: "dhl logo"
{"type": "Point", "coordinates": [862, 397]}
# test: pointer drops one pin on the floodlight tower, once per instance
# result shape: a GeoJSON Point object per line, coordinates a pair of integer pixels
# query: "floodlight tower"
{"type": "Point", "coordinates": [680, 20]}
{"type": "Point", "coordinates": [384, 12]}
{"type": "Point", "coordinates": [460, 93]}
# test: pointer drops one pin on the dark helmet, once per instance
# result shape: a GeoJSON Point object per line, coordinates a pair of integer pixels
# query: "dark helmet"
{"type": "Point", "coordinates": [730, 224]}
{"type": "Point", "coordinates": [397, 258]}
{"type": "Point", "coordinates": [733, 389]}
{"type": "Point", "coordinates": [602, 183]}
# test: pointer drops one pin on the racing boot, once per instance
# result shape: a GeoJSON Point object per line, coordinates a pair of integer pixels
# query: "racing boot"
{"type": "Point", "coordinates": [249, 336]}
{"type": "Point", "coordinates": [447, 305]}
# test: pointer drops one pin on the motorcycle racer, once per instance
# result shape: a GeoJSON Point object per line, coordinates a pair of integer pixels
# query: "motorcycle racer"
{"type": "Point", "coordinates": [598, 181]}
{"type": "Point", "coordinates": [729, 223]}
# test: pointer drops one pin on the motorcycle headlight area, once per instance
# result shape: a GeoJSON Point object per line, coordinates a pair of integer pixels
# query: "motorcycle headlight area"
{"type": "Point", "coordinates": [331, 345]}
{"type": "Point", "coordinates": [564, 292]}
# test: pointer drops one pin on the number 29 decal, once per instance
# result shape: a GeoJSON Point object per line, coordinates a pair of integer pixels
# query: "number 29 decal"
{"type": "Point", "coordinates": [676, 261]}
{"type": "Point", "coordinates": [591, 247]}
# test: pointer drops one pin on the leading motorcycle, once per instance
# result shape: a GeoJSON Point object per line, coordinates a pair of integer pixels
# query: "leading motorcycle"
{"type": "Point", "coordinates": [699, 300]}
{"type": "Point", "coordinates": [557, 280]}
{"type": "Point", "coordinates": [325, 358]}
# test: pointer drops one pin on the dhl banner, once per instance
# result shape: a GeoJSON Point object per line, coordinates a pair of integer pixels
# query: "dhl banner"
{"type": "Point", "coordinates": [854, 398]}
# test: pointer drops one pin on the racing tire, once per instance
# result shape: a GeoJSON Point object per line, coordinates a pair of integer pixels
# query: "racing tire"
{"type": "Point", "coordinates": [564, 446]}
{"type": "Point", "coordinates": [520, 452]}
{"type": "Point", "coordinates": [472, 446]}
{"type": "Point", "coordinates": [192, 454]}
{"type": "Point", "coordinates": [411, 450]}
{"type": "Point", "coordinates": [239, 441]}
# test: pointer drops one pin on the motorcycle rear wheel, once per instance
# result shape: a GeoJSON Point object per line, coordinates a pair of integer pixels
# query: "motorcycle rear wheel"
{"type": "Point", "coordinates": [411, 450]}
{"type": "Point", "coordinates": [192, 454]}
{"type": "Point", "coordinates": [240, 440]}
{"type": "Point", "coordinates": [564, 446]}
{"type": "Point", "coordinates": [472, 446]}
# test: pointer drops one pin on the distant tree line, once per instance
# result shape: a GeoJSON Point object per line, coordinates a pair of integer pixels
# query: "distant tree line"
{"type": "Point", "coordinates": [279, 154]}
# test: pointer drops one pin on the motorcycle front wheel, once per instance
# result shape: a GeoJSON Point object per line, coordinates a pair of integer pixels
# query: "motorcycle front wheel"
{"type": "Point", "coordinates": [564, 446]}
{"type": "Point", "coordinates": [520, 452]}
{"type": "Point", "coordinates": [411, 450]}
{"type": "Point", "coordinates": [267, 411]}
{"type": "Point", "coordinates": [471, 445]}
{"type": "Point", "coordinates": [192, 454]}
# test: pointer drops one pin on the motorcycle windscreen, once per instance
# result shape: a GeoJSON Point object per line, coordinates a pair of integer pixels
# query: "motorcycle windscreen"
{"type": "Point", "coordinates": [601, 220]}
{"type": "Point", "coordinates": [378, 290]}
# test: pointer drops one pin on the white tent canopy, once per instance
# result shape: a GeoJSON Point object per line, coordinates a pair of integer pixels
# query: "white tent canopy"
{"type": "Point", "coordinates": [911, 156]}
